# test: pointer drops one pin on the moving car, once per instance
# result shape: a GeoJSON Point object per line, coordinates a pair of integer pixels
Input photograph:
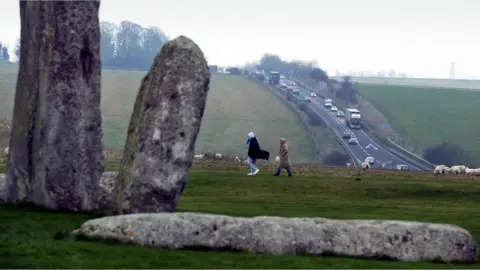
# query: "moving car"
{"type": "Point", "coordinates": [313, 94]}
{"type": "Point", "coordinates": [353, 141]}
{"type": "Point", "coordinates": [340, 114]}
{"type": "Point", "coordinates": [308, 99]}
{"type": "Point", "coordinates": [296, 92]}
{"type": "Point", "coordinates": [370, 160]}
{"type": "Point", "coordinates": [334, 109]}
{"type": "Point", "coordinates": [346, 135]}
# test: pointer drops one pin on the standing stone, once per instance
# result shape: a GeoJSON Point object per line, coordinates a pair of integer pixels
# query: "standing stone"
{"type": "Point", "coordinates": [163, 129]}
{"type": "Point", "coordinates": [55, 158]}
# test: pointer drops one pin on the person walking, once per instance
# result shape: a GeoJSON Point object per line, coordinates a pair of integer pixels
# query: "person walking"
{"type": "Point", "coordinates": [284, 159]}
{"type": "Point", "coordinates": [254, 153]}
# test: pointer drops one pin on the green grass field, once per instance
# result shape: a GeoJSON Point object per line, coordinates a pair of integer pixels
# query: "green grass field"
{"type": "Point", "coordinates": [235, 106]}
{"type": "Point", "coordinates": [27, 234]}
{"type": "Point", "coordinates": [429, 116]}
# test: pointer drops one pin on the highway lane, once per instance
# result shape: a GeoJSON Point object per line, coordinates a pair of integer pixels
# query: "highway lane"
{"type": "Point", "coordinates": [366, 147]}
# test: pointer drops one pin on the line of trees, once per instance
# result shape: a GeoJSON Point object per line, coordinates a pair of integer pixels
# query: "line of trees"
{"type": "Point", "coordinates": [127, 45]}
{"type": "Point", "coordinates": [4, 55]}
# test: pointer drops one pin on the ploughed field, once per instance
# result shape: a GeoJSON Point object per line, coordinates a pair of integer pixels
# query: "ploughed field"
{"type": "Point", "coordinates": [235, 106]}
{"type": "Point", "coordinates": [27, 235]}
{"type": "Point", "coordinates": [429, 116]}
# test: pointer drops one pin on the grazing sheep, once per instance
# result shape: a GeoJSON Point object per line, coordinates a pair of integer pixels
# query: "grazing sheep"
{"type": "Point", "coordinates": [201, 156]}
{"type": "Point", "coordinates": [458, 169]}
{"type": "Point", "coordinates": [237, 159]}
{"type": "Point", "coordinates": [472, 172]}
{"type": "Point", "coordinates": [277, 159]}
{"type": "Point", "coordinates": [441, 170]}
{"type": "Point", "coordinates": [218, 155]}
{"type": "Point", "coordinates": [365, 165]}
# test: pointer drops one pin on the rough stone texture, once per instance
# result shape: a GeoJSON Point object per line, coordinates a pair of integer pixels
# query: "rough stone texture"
{"type": "Point", "coordinates": [104, 195]}
{"type": "Point", "coordinates": [56, 153]}
{"type": "Point", "coordinates": [398, 240]}
{"type": "Point", "coordinates": [3, 188]}
{"type": "Point", "coordinates": [163, 129]}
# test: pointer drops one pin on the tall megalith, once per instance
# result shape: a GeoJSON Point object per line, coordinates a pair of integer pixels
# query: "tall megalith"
{"type": "Point", "coordinates": [163, 129]}
{"type": "Point", "coordinates": [56, 152]}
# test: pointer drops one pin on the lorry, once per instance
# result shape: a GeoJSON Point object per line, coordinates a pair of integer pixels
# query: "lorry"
{"type": "Point", "coordinates": [274, 78]}
{"type": "Point", "coordinates": [352, 118]}
{"type": "Point", "coordinates": [328, 103]}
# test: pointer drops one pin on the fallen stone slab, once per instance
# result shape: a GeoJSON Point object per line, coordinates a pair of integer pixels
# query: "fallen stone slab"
{"type": "Point", "coordinates": [397, 240]}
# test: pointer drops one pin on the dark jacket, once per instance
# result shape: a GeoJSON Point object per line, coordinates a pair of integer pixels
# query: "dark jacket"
{"type": "Point", "coordinates": [255, 152]}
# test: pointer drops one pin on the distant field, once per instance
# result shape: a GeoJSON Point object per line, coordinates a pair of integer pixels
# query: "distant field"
{"type": "Point", "coordinates": [428, 116]}
{"type": "Point", "coordinates": [443, 83]}
{"type": "Point", "coordinates": [235, 107]}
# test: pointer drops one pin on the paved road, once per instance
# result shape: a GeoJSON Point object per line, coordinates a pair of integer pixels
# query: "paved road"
{"type": "Point", "coordinates": [366, 147]}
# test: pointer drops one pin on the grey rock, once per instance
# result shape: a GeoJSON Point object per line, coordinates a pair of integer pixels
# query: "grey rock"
{"type": "Point", "coordinates": [397, 240]}
{"type": "Point", "coordinates": [104, 197]}
{"type": "Point", "coordinates": [3, 188]}
{"type": "Point", "coordinates": [55, 158]}
{"type": "Point", "coordinates": [163, 129]}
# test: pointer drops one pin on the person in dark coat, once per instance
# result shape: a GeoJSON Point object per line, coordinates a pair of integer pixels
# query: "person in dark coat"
{"type": "Point", "coordinates": [254, 153]}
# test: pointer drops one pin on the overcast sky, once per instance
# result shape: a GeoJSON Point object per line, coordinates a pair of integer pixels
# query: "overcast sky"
{"type": "Point", "coordinates": [419, 37]}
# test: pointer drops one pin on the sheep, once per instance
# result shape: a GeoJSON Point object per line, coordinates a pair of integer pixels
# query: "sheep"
{"type": "Point", "coordinates": [277, 159]}
{"type": "Point", "coordinates": [472, 172]}
{"type": "Point", "coordinates": [237, 159]}
{"type": "Point", "coordinates": [365, 165]}
{"type": "Point", "coordinates": [441, 170]}
{"type": "Point", "coordinates": [218, 155]}
{"type": "Point", "coordinates": [458, 169]}
{"type": "Point", "coordinates": [201, 156]}
{"type": "Point", "coordinates": [6, 150]}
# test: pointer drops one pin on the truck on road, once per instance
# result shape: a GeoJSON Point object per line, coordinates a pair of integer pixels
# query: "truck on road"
{"type": "Point", "coordinates": [352, 118]}
{"type": "Point", "coordinates": [274, 78]}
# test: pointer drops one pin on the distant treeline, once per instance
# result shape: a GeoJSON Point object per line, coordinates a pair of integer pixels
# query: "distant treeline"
{"type": "Point", "coordinates": [127, 45]}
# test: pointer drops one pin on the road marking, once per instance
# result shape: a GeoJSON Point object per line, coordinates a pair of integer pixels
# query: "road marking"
{"type": "Point", "coordinates": [369, 138]}
{"type": "Point", "coordinates": [370, 145]}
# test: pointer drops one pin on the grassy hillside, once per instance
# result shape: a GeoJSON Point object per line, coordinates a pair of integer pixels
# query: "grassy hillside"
{"type": "Point", "coordinates": [429, 116]}
{"type": "Point", "coordinates": [27, 234]}
{"type": "Point", "coordinates": [235, 107]}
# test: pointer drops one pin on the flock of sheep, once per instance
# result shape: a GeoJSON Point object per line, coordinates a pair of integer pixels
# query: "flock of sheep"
{"type": "Point", "coordinates": [456, 170]}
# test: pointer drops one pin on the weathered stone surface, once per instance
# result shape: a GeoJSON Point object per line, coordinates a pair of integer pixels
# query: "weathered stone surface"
{"type": "Point", "coordinates": [104, 195]}
{"type": "Point", "coordinates": [163, 128]}
{"type": "Point", "coordinates": [398, 240]}
{"type": "Point", "coordinates": [3, 188]}
{"type": "Point", "coordinates": [56, 153]}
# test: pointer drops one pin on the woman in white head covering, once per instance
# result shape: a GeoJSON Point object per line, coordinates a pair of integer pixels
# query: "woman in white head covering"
{"type": "Point", "coordinates": [254, 153]}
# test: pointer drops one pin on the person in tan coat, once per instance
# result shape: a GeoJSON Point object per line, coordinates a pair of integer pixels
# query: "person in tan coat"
{"type": "Point", "coordinates": [284, 159]}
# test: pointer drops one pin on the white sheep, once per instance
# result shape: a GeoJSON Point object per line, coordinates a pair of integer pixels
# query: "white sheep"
{"type": "Point", "coordinates": [472, 172]}
{"type": "Point", "coordinates": [201, 156]}
{"type": "Point", "coordinates": [237, 159]}
{"type": "Point", "coordinates": [218, 155]}
{"type": "Point", "coordinates": [441, 170]}
{"type": "Point", "coordinates": [6, 150]}
{"type": "Point", "coordinates": [277, 159]}
{"type": "Point", "coordinates": [365, 165]}
{"type": "Point", "coordinates": [458, 169]}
